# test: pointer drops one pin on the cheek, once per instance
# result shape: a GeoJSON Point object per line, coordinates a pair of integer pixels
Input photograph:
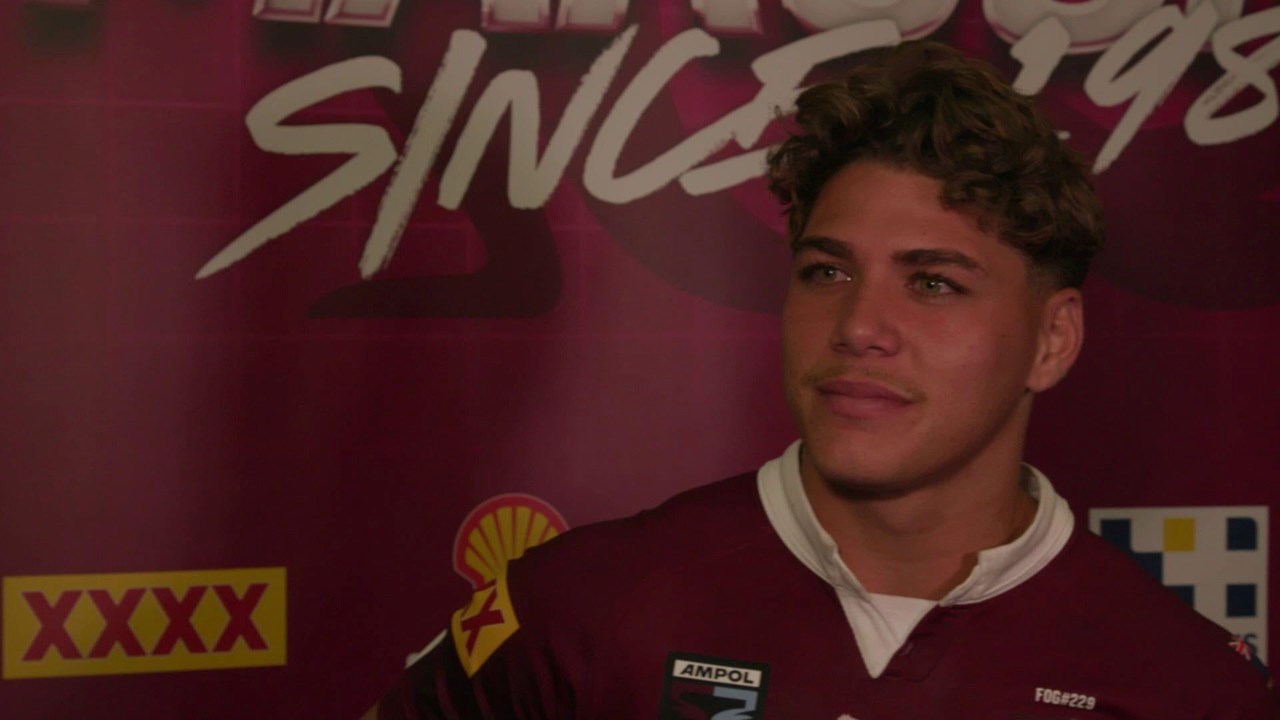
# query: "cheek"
{"type": "Point", "coordinates": [996, 364]}
{"type": "Point", "coordinates": [796, 359]}
{"type": "Point", "coordinates": [804, 332]}
{"type": "Point", "coordinates": [977, 356]}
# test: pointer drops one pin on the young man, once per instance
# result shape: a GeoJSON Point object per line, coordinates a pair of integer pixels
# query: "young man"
{"type": "Point", "coordinates": [899, 561]}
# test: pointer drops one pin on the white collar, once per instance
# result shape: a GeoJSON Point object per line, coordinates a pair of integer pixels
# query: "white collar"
{"type": "Point", "coordinates": [998, 570]}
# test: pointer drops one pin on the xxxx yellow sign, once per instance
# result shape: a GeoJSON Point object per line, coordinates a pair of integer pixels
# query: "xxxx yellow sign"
{"type": "Point", "coordinates": [59, 625]}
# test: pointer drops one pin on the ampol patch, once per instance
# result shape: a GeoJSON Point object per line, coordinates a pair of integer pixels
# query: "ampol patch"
{"type": "Point", "coordinates": [1214, 558]}
{"type": "Point", "coordinates": [709, 688]}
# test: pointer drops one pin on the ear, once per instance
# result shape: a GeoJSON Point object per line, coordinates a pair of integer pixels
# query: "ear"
{"type": "Point", "coordinates": [1061, 334]}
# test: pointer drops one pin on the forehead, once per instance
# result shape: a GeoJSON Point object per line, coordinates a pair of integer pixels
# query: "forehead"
{"type": "Point", "coordinates": [872, 205]}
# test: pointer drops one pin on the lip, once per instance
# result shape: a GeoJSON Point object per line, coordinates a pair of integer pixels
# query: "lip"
{"type": "Point", "coordinates": [861, 399]}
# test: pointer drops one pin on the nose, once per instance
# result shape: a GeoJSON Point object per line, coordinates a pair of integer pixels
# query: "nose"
{"type": "Point", "coordinates": [865, 321]}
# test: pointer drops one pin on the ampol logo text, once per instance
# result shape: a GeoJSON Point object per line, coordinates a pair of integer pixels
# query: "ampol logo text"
{"type": "Point", "coordinates": [62, 625]}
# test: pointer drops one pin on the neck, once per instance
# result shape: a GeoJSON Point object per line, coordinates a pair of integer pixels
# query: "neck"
{"type": "Point", "coordinates": [925, 541]}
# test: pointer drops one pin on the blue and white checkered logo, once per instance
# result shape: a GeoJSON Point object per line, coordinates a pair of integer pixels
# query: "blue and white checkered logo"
{"type": "Point", "coordinates": [1214, 558]}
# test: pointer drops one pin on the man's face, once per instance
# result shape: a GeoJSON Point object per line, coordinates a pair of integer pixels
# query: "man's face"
{"type": "Point", "coordinates": [910, 336]}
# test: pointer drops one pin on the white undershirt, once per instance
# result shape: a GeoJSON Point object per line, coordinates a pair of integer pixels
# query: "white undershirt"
{"type": "Point", "coordinates": [882, 623]}
{"type": "Point", "coordinates": [901, 614]}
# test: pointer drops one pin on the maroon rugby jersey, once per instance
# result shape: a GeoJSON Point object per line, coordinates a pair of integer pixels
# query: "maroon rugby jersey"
{"type": "Point", "coordinates": [697, 610]}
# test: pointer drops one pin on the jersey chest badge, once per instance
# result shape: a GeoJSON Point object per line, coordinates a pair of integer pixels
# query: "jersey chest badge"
{"type": "Point", "coordinates": [496, 532]}
{"type": "Point", "coordinates": [699, 687]}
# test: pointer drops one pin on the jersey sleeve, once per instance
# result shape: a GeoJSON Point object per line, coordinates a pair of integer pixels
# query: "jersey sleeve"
{"type": "Point", "coordinates": [509, 654]}
{"type": "Point", "coordinates": [1257, 705]}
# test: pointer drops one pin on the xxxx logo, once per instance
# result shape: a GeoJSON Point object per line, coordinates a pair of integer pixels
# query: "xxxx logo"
{"type": "Point", "coordinates": [60, 625]}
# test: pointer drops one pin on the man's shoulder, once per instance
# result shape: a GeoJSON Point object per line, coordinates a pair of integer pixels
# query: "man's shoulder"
{"type": "Point", "coordinates": [1115, 604]}
{"type": "Point", "coordinates": [1113, 585]}
{"type": "Point", "coordinates": [560, 602]}
{"type": "Point", "coordinates": [720, 514]}
{"type": "Point", "coordinates": [1109, 588]}
{"type": "Point", "coordinates": [611, 562]}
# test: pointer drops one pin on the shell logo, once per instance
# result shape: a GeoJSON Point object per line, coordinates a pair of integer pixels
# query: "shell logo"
{"type": "Point", "coordinates": [500, 530]}
{"type": "Point", "coordinates": [496, 532]}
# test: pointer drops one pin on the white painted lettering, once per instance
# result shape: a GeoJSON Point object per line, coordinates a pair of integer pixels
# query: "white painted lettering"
{"type": "Point", "coordinates": [1228, 10]}
{"type": "Point", "coordinates": [914, 18]}
{"type": "Point", "coordinates": [591, 15]}
{"type": "Point", "coordinates": [780, 73]}
{"type": "Point", "coordinates": [366, 13]}
{"type": "Point", "coordinates": [1091, 25]}
{"type": "Point", "coordinates": [515, 15]}
{"type": "Point", "coordinates": [602, 159]}
{"type": "Point", "coordinates": [1147, 49]}
{"type": "Point", "coordinates": [1040, 51]}
{"type": "Point", "coordinates": [1201, 125]}
{"type": "Point", "coordinates": [1149, 80]}
{"type": "Point", "coordinates": [371, 149]}
{"type": "Point", "coordinates": [305, 11]}
{"type": "Point", "coordinates": [729, 17]}
{"type": "Point", "coordinates": [529, 182]}
{"type": "Point", "coordinates": [421, 147]}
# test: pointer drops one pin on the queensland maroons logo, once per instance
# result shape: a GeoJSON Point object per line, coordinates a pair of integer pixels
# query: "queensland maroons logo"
{"type": "Point", "coordinates": [496, 532]}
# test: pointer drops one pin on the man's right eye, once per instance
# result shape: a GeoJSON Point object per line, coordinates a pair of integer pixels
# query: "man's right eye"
{"type": "Point", "coordinates": [823, 274]}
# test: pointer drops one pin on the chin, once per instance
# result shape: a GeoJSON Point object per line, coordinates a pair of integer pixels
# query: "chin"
{"type": "Point", "coordinates": [858, 484]}
{"type": "Point", "coordinates": [859, 468]}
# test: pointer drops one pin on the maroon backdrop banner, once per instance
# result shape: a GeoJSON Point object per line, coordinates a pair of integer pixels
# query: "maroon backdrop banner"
{"type": "Point", "coordinates": [304, 301]}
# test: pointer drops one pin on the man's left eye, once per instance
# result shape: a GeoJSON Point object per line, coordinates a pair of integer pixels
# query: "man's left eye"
{"type": "Point", "coordinates": [934, 285]}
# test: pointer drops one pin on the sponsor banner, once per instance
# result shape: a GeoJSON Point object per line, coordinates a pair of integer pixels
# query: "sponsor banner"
{"type": "Point", "coordinates": [1214, 558]}
{"type": "Point", "coordinates": [562, 211]}
{"type": "Point", "coordinates": [1204, 58]}
{"type": "Point", "coordinates": [63, 625]}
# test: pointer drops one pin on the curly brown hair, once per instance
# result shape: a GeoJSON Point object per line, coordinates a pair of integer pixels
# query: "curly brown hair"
{"type": "Point", "coordinates": [926, 107]}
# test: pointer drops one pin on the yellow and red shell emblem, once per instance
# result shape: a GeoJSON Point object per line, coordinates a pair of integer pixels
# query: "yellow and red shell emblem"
{"type": "Point", "coordinates": [500, 530]}
{"type": "Point", "coordinates": [496, 532]}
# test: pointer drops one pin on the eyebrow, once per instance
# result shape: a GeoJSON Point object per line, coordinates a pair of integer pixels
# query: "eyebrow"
{"type": "Point", "coordinates": [826, 245]}
{"type": "Point", "coordinates": [930, 257]}
{"type": "Point", "coordinates": [920, 257]}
